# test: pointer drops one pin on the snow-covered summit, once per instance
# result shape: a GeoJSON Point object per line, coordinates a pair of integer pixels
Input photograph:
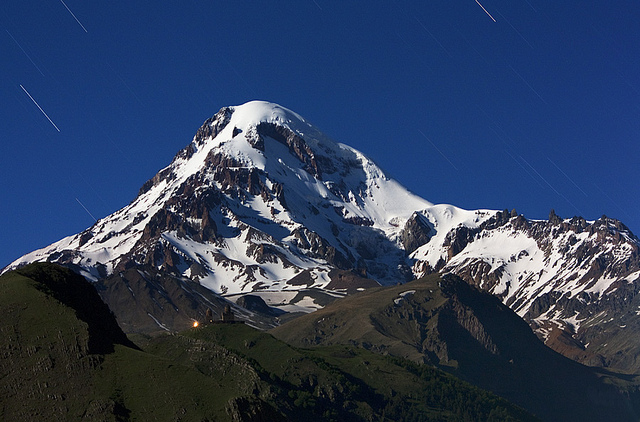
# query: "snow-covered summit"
{"type": "Point", "coordinates": [254, 174]}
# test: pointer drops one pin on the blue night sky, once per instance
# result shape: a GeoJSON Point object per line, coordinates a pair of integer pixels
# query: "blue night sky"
{"type": "Point", "coordinates": [535, 110]}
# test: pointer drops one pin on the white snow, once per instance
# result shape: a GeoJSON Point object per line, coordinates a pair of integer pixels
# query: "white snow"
{"type": "Point", "coordinates": [403, 296]}
{"type": "Point", "coordinates": [444, 219]}
{"type": "Point", "coordinates": [161, 325]}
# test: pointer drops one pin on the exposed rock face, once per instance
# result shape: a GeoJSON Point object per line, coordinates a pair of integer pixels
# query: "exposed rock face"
{"type": "Point", "coordinates": [317, 247]}
{"type": "Point", "coordinates": [297, 146]}
{"type": "Point", "coordinates": [417, 232]}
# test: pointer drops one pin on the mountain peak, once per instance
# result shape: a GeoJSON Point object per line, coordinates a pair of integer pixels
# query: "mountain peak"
{"type": "Point", "coordinates": [245, 119]}
{"type": "Point", "coordinates": [257, 111]}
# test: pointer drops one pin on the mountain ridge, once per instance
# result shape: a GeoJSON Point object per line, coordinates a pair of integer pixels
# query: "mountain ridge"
{"type": "Point", "coordinates": [49, 369]}
{"type": "Point", "coordinates": [262, 203]}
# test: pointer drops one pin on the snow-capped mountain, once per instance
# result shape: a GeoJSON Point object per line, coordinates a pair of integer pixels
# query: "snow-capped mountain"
{"type": "Point", "coordinates": [262, 203]}
{"type": "Point", "coordinates": [575, 282]}
{"type": "Point", "coordinates": [258, 199]}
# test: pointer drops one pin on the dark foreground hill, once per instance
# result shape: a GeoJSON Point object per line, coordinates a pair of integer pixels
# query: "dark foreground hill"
{"type": "Point", "coordinates": [448, 323]}
{"type": "Point", "coordinates": [63, 357]}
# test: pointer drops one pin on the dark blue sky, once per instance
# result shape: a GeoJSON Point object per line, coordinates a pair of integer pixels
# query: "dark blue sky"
{"type": "Point", "coordinates": [537, 110]}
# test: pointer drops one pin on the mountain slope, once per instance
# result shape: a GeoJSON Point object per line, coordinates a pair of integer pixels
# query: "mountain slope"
{"type": "Point", "coordinates": [262, 203]}
{"type": "Point", "coordinates": [250, 202]}
{"type": "Point", "coordinates": [447, 323]}
{"type": "Point", "coordinates": [51, 368]}
{"type": "Point", "coordinates": [575, 282]}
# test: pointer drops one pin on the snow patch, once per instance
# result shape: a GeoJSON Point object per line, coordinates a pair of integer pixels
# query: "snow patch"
{"type": "Point", "coordinates": [402, 296]}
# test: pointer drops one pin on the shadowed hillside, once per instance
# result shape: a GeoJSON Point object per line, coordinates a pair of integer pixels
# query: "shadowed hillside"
{"type": "Point", "coordinates": [449, 324]}
{"type": "Point", "coordinates": [63, 357]}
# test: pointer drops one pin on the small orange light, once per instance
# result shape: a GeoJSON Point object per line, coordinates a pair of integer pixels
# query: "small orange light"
{"type": "Point", "coordinates": [195, 324]}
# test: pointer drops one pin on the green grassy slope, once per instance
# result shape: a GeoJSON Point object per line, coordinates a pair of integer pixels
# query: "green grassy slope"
{"type": "Point", "coordinates": [448, 324]}
{"type": "Point", "coordinates": [44, 355]}
{"type": "Point", "coordinates": [62, 357]}
{"type": "Point", "coordinates": [349, 383]}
